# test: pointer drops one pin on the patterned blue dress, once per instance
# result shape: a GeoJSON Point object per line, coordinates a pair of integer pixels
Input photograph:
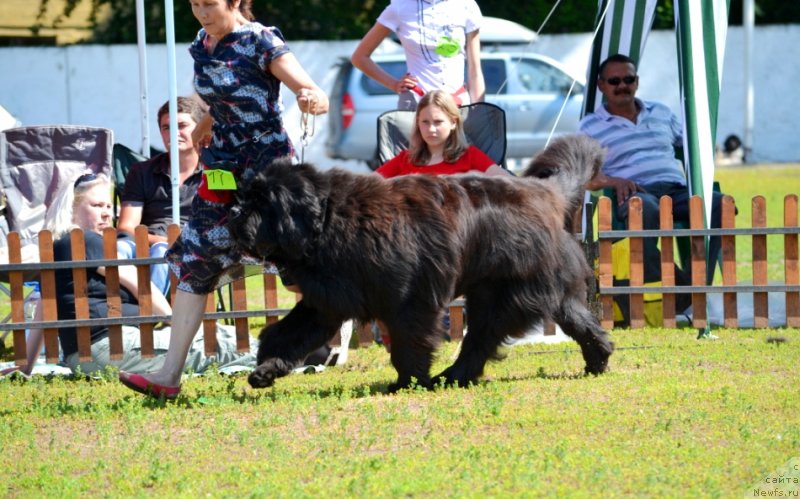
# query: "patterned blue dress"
{"type": "Point", "coordinates": [248, 133]}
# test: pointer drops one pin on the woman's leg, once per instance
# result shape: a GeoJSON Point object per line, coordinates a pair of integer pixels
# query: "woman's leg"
{"type": "Point", "coordinates": [187, 312]}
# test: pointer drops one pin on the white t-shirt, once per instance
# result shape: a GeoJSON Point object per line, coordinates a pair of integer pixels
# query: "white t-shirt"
{"type": "Point", "coordinates": [433, 34]}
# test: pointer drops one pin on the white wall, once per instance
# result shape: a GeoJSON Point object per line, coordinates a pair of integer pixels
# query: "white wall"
{"type": "Point", "coordinates": [99, 85]}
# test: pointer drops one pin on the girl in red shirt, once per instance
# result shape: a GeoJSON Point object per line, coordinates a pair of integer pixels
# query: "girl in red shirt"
{"type": "Point", "coordinates": [438, 144]}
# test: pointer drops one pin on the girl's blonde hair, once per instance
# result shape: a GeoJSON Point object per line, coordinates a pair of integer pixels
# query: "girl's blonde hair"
{"type": "Point", "coordinates": [456, 143]}
{"type": "Point", "coordinates": [59, 216]}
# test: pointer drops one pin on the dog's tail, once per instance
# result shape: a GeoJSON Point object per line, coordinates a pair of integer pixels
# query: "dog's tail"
{"type": "Point", "coordinates": [570, 161]}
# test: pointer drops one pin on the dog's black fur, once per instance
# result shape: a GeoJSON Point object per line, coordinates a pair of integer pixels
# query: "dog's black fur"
{"type": "Point", "coordinates": [401, 250]}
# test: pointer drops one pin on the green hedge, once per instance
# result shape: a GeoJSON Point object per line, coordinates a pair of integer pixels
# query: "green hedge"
{"type": "Point", "coordinates": [350, 19]}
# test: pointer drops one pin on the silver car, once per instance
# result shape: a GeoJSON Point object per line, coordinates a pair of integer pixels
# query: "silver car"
{"type": "Point", "coordinates": [530, 88]}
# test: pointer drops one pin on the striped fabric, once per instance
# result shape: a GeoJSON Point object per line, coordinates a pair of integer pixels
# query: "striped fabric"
{"type": "Point", "coordinates": [623, 26]}
{"type": "Point", "coordinates": [701, 28]}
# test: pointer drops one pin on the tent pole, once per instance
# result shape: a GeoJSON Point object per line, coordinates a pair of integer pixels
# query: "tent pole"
{"type": "Point", "coordinates": [142, 45]}
{"type": "Point", "coordinates": [748, 18]}
{"type": "Point", "coordinates": [173, 110]}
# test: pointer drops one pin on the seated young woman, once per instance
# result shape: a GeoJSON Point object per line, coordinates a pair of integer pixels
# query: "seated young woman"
{"type": "Point", "coordinates": [438, 145]}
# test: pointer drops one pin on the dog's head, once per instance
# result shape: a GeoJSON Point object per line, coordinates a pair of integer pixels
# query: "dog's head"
{"type": "Point", "coordinates": [280, 211]}
{"type": "Point", "coordinates": [574, 154]}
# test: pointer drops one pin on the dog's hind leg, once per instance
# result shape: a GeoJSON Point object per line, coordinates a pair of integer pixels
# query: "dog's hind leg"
{"type": "Point", "coordinates": [493, 313]}
{"type": "Point", "coordinates": [285, 344]}
{"type": "Point", "coordinates": [414, 337]}
{"type": "Point", "coordinates": [578, 322]}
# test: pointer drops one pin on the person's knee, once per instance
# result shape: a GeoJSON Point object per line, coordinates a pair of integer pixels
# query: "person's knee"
{"type": "Point", "coordinates": [158, 250]}
{"type": "Point", "coordinates": [126, 249]}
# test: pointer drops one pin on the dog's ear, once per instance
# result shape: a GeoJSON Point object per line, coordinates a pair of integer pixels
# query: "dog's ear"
{"type": "Point", "coordinates": [297, 206]}
{"type": "Point", "coordinates": [246, 228]}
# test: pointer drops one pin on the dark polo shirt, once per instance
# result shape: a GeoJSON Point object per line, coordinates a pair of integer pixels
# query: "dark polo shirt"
{"type": "Point", "coordinates": [149, 183]}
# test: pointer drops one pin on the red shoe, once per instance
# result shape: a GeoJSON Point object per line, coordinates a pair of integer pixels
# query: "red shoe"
{"type": "Point", "coordinates": [139, 383]}
{"type": "Point", "coordinates": [8, 371]}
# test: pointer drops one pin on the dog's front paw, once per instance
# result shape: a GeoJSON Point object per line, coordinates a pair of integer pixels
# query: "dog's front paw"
{"type": "Point", "coordinates": [267, 372]}
{"type": "Point", "coordinates": [453, 376]}
{"type": "Point", "coordinates": [395, 387]}
{"type": "Point", "coordinates": [597, 358]}
{"type": "Point", "coordinates": [402, 384]}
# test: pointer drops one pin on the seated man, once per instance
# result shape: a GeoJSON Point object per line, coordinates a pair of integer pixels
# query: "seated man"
{"type": "Point", "coordinates": [147, 198]}
{"type": "Point", "coordinates": [641, 137]}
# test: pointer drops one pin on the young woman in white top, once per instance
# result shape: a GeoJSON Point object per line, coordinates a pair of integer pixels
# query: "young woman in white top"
{"type": "Point", "coordinates": [439, 38]}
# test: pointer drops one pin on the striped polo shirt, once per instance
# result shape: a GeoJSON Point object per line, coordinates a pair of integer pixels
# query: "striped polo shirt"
{"type": "Point", "coordinates": [642, 151]}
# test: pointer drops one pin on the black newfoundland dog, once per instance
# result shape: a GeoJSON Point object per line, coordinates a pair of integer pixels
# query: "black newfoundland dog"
{"type": "Point", "coordinates": [401, 250]}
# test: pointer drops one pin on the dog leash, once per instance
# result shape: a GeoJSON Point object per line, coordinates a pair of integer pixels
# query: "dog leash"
{"type": "Point", "coordinates": [308, 131]}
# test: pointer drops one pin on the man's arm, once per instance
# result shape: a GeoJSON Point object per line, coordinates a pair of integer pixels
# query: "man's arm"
{"type": "Point", "coordinates": [623, 188]}
{"type": "Point", "coordinates": [130, 216]}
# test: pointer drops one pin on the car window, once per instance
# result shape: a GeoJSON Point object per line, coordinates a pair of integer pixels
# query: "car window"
{"type": "Point", "coordinates": [372, 87]}
{"type": "Point", "coordinates": [538, 76]}
{"type": "Point", "coordinates": [494, 75]}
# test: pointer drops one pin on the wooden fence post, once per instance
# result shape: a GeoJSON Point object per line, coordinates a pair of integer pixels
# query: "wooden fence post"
{"type": "Point", "coordinates": [456, 323]}
{"type": "Point", "coordinates": [698, 245]}
{"type": "Point", "coordinates": [790, 248]}
{"type": "Point", "coordinates": [728, 243]}
{"type": "Point", "coordinates": [239, 302]}
{"type": "Point", "coordinates": [270, 296]}
{"type": "Point", "coordinates": [760, 299]}
{"type": "Point", "coordinates": [78, 248]}
{"type": "Point", "coordinates": [605, 268]}
{"type": "Point", "coordinates": [667, 262]}
{"type": "Point", "coordinates": [210, 327]}
{"type": "Point", "coordinates": [47, 282]}
{"type": "Point", "coordinates": [636, 269]}
{"type": "Point", "coordinates": [145, 295]}
{"type": "Point", "coordinates": [113, 293]}
{"type": "Point", "coordinates": [15, 282]}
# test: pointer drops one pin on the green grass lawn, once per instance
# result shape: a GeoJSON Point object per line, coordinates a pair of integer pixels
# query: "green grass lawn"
{"type": "Point", "coordinates": [674, 417]}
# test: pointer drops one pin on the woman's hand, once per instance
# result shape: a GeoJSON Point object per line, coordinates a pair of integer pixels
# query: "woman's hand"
{"type": "Point", "coordinates": [201, 135]}
{"type": "Point", "coordinates": [312, 101]}
{"type": "Point", "coordinates": [407, 82]}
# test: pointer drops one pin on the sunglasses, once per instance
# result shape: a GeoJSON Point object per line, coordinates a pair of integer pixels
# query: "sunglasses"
{"type": "Point", "coordinates": [616, 80]}
{"type": "Point", "coordinates": [86, 177]}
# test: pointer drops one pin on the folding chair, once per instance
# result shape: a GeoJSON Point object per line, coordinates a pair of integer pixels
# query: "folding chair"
{"type": "Point", "coordinates": [37, 161]}
{"type": "Point", "coordinates": [484, 126]}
